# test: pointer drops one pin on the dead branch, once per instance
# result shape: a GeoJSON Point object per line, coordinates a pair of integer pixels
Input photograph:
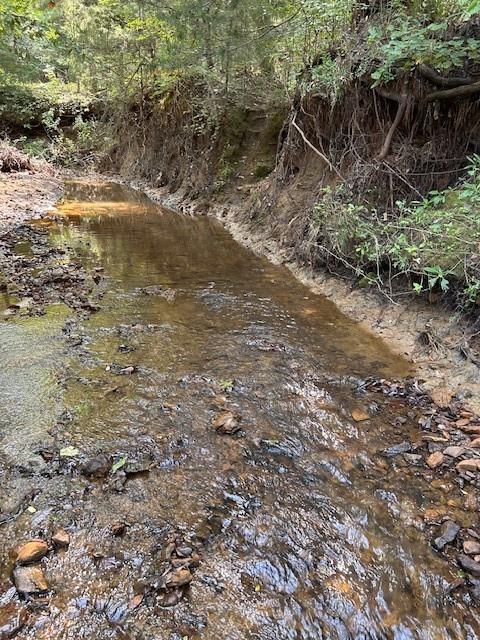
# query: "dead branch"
{"type": "Point", "coordinates": [435, 78]}
{"type": "Point", "coordinates": [457, 92]}
{"type": "Point", "coordinates": [402, 105]}
{"type": "Point", "coordinates": [313, 148]}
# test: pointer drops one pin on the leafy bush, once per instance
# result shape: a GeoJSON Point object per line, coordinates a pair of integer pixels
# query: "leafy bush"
{"type": "Point", "coordinates": [433, 243]}
{"type": "Point", "coordinates": [406, 42]}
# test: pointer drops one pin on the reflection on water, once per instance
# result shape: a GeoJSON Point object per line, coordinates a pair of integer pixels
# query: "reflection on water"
{"type": "Point", "coordinates": [307, 533]}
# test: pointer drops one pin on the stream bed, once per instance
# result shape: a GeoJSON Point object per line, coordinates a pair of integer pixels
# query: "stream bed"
{"type": "Point", "coordinates": [202, 441]}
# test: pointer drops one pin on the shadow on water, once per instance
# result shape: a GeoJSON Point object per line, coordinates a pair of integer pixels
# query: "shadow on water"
{"type": "Point", "coordinates": [306, 532]}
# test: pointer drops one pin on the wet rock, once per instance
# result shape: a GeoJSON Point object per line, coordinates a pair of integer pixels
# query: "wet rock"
{"type": "Point", "coordinates": [116, 612]}
{"type": "Point", "coordinates": [31, 551]}
{"type": "Point", "coordinates": [227, 423]}
{"type": "Point", "coordinates": [118, 481]}
{"type": "Point", "coordinates": [434, 460]}
{"type": "Point", "coordinates": [448, 533]}
{"type": "Point", "coordinates": [159, 290]}
{"type": "Point", "coordinates": [118, 528]}
{"type": "Point", "coordinates": [413, 458]}
{"type": "Point", "coordinates": [138, 464]}
{"type": "Point", "coordinates": [472, 428]}
{"type": "Point", "coordinates": [359, 415]}
{"type": "Point", "coordinates": [30, 579]}
{"type": "Point", "coordinates": [97, 467]}
{"type": "Point", "coordinates": [454, 452]}
{"type": "Point", "coordinates": [178, 578]}
{"type": "Point", "coordinates": [127, 371]}
{"type": "Point", "coordinates": [469, 565]}
{"type": "Point", "coordinates": [397, 449]}
{"type": "Point", "coordinates": [471, 464]}
{"type": "Point", "coordinates": [471, 547]}
{"type": "Point", "coordinates": [441, 396]}
{"type": "Point", "coordinates": [171, 598]}
{"type": "Point", "coordinates": [61, 539]}
{"type": "Point", "coordinates": [471, 502]}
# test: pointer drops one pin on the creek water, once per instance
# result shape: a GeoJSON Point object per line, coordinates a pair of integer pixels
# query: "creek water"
{"type": "Point", "coordinates": [305, 530]}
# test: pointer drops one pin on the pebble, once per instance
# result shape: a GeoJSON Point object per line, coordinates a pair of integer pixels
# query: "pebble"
{"type": "Point", "coordinates": [448, 533]}
{"type": "Point", "coordinates": [471, 566]}
{"type": "Point", "coordinates": [471, 547]}
{"type": "Point", "coordinates": [435, 459]}
{"type": "Point", "coordinates": [178, 578]}
{"type": "Point", "coordinates": [413, 458]}
{"type": "Point", "coordinates": [397, 449]}
{"type": "Point", "coordinates": [31, 551]}
{"type": "Point", "coordinates": [454, 452]}
{"type": "Point", "coordinates": [97, 467]}
{"type": "Point", "coordinates": [471, 464]}
{"type": "Point", "coordinates": [61, 539]}
{"type": "Point", "coordinates": [30, 579]}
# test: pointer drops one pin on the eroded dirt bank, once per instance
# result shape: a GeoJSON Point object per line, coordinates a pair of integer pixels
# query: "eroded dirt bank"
{"type": "Point", "coordinates": [207, 451]}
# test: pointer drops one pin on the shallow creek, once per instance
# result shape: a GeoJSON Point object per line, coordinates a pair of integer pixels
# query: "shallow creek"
{"type": "Point", "coordinates": [304, 530]}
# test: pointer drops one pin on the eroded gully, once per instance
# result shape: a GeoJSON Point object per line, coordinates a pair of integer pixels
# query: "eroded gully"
{"type": "Point", "coordinates": [194, 439]}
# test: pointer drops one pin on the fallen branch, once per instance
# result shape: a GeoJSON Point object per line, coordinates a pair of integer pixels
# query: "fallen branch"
{"type": "Point", "coordinates": [435, 78]}
{"type": "Point", "coordinates": [457, 92]}
{"type": "Point", "coordinates": [313, 148]}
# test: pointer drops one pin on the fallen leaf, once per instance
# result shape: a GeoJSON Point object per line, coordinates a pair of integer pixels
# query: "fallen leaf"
{"type": "Point", "coordinates": [226, 385]}
{"type": "Point", "coordinates": [31, 509]}
{"type": "Point", "coordinates": [119, 464]}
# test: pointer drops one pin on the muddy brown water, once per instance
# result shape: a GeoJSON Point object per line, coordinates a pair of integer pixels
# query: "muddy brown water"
{"type": "Point", "coordinates": [306, 531]}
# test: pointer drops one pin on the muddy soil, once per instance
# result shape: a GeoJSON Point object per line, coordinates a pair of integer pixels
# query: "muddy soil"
{"type": "Point", "coordinates": [214, 451]}
{"type": "Point", "coordinates": [27, 194]}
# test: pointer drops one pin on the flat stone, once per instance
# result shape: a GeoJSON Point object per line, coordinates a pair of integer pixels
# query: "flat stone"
{"type": "Point", "coordinates": [397, 449]}
{"type": "Point", "coordinates": [475, 444]}
{"type": "Point", "coordinates": [441, 396]}
{"type": "Point", "coordinates": [472, 428]}
{"type": "Point", "coordinates": [471, 547]}
{"type": "Point", "coordinates": [412, 458]}
{"type": "Point", "coordinates": [454, 452]}
{"type": "Point", "coordinates": [359, 415]}
{"type": "Point", "coordinates": [448, 533]}
{"type": "Point", "coordinates": [472, 464]}
{"type": "Point", "coordinates": [30, 579]}
{"type": "Point", "coordinates": [469, 565]}
{"type": "Point", "coordinates": [31, 551]}
{"type": "Point", "coordinates": [435, 459]}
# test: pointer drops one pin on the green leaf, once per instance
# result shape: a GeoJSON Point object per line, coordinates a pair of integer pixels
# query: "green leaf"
{"type": "Point", "coordinates": [119, 464]}
{"type": "Point", "coordinates": [226, 385]}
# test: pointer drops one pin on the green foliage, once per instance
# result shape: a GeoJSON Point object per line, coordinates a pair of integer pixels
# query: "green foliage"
{"type": "Point", "coordinates": [433, 242]}
{"type": "Point", "coordinates": [406, 42]}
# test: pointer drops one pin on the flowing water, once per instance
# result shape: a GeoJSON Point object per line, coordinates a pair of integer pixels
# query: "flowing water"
{"type": "Point", "coordinates": [305, 530]}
